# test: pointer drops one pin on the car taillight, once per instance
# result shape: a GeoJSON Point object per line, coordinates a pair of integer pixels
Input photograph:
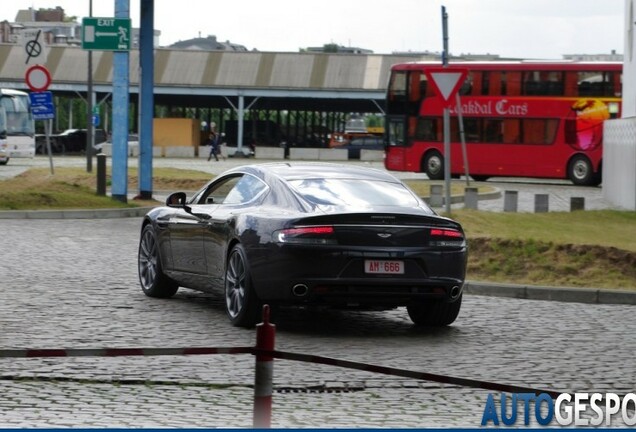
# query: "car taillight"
{"type": "Point", "coordinates": [306, 235]}
{"type": "Point", "coordinates": [447, 237]}
{"type": "Point", "coordinates": [448, 233]}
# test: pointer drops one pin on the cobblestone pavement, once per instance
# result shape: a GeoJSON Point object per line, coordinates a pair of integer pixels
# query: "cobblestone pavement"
{"type": "Point", "coordinates": [73, 284]}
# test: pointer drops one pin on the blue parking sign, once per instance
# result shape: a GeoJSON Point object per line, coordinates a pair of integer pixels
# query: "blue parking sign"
{"type": "Point", "coordinates": [42, 105]}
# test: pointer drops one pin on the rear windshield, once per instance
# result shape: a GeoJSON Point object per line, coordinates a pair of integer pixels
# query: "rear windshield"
{"type": "Point", "coordinates": [353, 192]}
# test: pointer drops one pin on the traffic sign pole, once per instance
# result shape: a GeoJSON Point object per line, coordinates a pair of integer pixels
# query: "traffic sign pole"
{"type": "Point", "coordinates": [447, 149]}
{"type": "Point", "coordinates": [38, 79]}
{"type": "Point", "coordinates": [47, 132]}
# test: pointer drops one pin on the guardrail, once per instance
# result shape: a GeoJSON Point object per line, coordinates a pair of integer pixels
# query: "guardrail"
{"type": "Point", "coordinates": [263, 374]}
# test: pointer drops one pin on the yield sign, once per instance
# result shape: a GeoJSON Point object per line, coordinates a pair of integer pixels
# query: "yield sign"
{"type": "Point", "coordinates": [447, 80]}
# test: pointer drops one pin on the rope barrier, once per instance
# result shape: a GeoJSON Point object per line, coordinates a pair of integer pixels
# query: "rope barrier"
{"type": "Point", "coordinates": [444, 379]}
{"type": "Point", "coordinates": [283, 355]}
{"type": "Point", "coordinates": [263, 376]}
{"type": "Point", "coordinates": [120, 352]}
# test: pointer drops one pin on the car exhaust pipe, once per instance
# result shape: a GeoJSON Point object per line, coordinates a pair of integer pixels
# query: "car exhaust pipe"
{"type": "Point", "coordinates": [454, 292]}
{"type": "Point", "coordinates": [300, 290]}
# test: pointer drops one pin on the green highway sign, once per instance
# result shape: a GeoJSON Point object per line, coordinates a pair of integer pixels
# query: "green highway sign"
{"type": "Point", "coordinates": [106, 34]}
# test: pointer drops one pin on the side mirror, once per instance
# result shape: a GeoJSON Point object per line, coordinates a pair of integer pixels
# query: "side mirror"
{"type": "Point", "coordinates": [176, 199]}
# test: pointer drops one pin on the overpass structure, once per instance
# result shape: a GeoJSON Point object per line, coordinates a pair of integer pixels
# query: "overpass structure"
{"type": "Point", "coordinates": [217, 79]}
{"type": "Point", "coordinates": [237, 80]}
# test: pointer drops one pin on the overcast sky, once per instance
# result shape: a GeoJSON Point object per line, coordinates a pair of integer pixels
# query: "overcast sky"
{"type": "Point", "coordinates": [512, 28]}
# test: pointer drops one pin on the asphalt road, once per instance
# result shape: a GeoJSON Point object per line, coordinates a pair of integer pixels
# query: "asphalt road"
{"type": "Point", "coordinates": [73, 284]}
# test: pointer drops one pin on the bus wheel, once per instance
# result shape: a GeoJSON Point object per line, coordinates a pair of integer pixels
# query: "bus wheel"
{"type": "Point", "coordinates": [479, 178]}
{"type": "Point", "coordinates": [580, 171]}
{"type": "Point", "coordinates": [434, 165]}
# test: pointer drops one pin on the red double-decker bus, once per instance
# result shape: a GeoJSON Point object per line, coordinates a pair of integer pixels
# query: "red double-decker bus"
{"type": "Point", "coordinates": [520, 119]}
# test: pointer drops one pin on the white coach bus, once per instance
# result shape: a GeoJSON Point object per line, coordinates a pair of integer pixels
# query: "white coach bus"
{"type": "Point", "coordinates": [17, 128]}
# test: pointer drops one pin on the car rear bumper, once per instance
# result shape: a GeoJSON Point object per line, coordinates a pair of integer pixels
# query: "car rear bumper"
{"type": "Point", "coordinates": [340, 278]}
{"type": "Point", "coordinates": [371, 293]}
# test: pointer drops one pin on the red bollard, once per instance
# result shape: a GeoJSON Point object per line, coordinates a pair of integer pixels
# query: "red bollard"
{"type": "Point", "coordinates": [265, 336]}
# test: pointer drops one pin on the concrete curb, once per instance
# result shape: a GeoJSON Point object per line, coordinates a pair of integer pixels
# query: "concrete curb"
{"type": "Point", "coordinates": [531, 292]}
{"type": "Point", "coordinates": [75, 214]}
{"type": "Point", "coordinates": [458, 199]}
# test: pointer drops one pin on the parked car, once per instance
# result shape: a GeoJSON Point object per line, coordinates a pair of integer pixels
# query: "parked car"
{"type": "Point", "coordinates": [69, 141]}
{"type": "Point", "coordinates": [367, 143]}
{"type": "Point", "coordinates": [306, 234]}
{"type": "Point", "coordinates": [107, 147]}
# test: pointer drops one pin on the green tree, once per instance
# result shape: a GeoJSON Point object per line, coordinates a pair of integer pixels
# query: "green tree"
{"type": "Point", "coordinates": [330, 48]}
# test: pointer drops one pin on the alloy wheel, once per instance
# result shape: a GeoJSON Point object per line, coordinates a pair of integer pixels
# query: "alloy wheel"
{"type": "Point", "coordinates": [235, 284]}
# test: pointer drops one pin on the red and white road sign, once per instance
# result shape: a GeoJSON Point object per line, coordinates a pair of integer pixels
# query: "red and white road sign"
{"type": "Point", "coordinates": [447, 81]}
{"type": "Point", "coordinates": [38, 78]}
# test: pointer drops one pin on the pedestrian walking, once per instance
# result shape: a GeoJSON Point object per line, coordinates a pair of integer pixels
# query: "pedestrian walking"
{"type": "Point", "coordinates": [214, 143]}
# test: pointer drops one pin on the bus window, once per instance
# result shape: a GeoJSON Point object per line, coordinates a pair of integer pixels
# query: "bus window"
{"type": "Point", "coordinates": [596, 84]}
{"type": "Point", "coordinates": [466, 88]}
{"type": "Point", "coordinates": [396, 97]}
{"type": "Point", "coordinates": [472, 130]}
{"type": "Point", "coordinates": [513, 83]}
{"type": "Point", "coordinates": [618, 83]}
{"type": "Point", "coordinates": [397, 87]}
{"type": "Point", "coordinates": [417, 86]}
{"type": "Point", "coordinates": [426, 129]}
{"type": "Point", "coordinates": [495, 87]}
{"type": "Point", "coordinates": [552, 83]}
{"type": "Point", "coordinates": [485, 83]}
{"type": "Point", "coordinates": [511, 130]}
{"type": "Point", "coordinates": [504, 88]}
{"type": "Point", "coordinates": [571, 83]}
{"type": "Point", "coordinates": [417, 89]}
{"type": "Point", "coordinates": [543, 83]}
{"type": "Point", "coordinates": [396, 131]}
{"type": "Point", "coordinates": [492, 130]}
{"type": "Point", "coordinates": [539, 131]}
{"type": "Point", "coordinates": [476, 82]}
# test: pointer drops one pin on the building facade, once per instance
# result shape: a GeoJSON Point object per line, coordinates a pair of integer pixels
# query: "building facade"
{"type": "Point", "coordinates": [619, 141]}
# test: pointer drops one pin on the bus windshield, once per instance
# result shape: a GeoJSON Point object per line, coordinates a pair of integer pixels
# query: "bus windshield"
{"type": "Point", "coordinates": [3, 123]}
{"type": "Point", "coordinates": [19, 120]}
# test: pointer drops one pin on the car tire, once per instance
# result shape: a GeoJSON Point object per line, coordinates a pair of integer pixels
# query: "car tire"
{"type": "Point", "coordinates": [241, 303]}
{"type": "Point", "coordinates": [154, 283]}
{"type": "Point", "coordinates": [436, 313]}
{"type": "Point", "coordinates": [4, 162]}
{"type": "Point", "coordinates": [434, 165]}
{"type": "Point", "coordinates": [581, 172]}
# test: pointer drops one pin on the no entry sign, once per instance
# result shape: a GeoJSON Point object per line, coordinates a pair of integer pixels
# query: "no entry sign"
{"type": "Point", "coordinates": [38, 78]}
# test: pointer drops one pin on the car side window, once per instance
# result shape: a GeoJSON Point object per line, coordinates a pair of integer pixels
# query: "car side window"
{"type": "Point", "coordinates": [218, 192]}
{"type": "Point", "coordinates": [238, 189]}
{"type": "Point", "coordinates": [245, 190]}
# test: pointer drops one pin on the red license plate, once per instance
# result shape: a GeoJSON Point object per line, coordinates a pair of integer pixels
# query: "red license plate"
{"type": "Point", "coordinates": [383, 267]}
